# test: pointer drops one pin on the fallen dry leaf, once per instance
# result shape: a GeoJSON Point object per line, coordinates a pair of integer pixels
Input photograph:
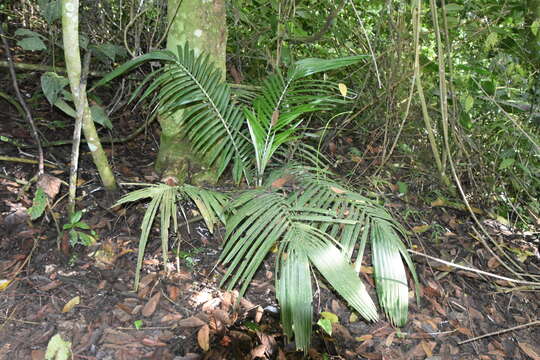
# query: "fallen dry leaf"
{"type": "Point", "coordinates": [71, 304]}
{"type": "Point", "coordinates": [171, 317]}
{"type": "Point", "coordinates": [192, 321]}
{"type": "Point", "coordinates": [282, 181]}
{"type": "Point", "coordinates": [258, 352]}
{"type": "Point", "coordinates": [364, 337]}
{"type": "Point", "coordinates": [203, 337]}
{"type": "Point", "coordinates": [151, 305]}
{"type": "Point", "coordinates": [50, 185]}
{"type": "Point", "coordinates": [173, 292]}
{"type": "Point", "coordinates": [153, 342]}
{"type": "Point", "coordinates": [529, 350]}
{"type": "Point", "coordinates": [259, 314]}
{"type": "Point", "coordinates": [426, 348]}
{"type": "Point", "coordinates": [225, 341]}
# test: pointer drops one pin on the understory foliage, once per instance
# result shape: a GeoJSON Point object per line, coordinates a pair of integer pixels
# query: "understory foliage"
{"type": "Point", "coordinates": [316, 226]}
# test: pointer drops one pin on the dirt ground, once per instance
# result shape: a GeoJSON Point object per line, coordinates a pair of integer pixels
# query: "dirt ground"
{"type": "Point", "coordinates": [180, 311]}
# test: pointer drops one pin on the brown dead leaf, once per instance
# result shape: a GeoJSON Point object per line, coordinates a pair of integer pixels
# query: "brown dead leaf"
{"type": "Point", "coordinates": [259, 352]}
{"type": "Point", "coordinates": [426, 348]}
{"type": "Point", "coordinates": [225, 341]}
{"type": "Point", "coordinates": [50, 185]}
{"type": "Point", "coordinates": [259, 314]}
{"type": "Point", "coordinates": [38, 354]}
{"type": "Point", "coordinates": [246, 304]}
{"type": "Point", "coordinates": [275, 117]}
{"type": "Point", "coordinates": [112, 336]}
{"type": "Point", "coordinates": [52, 285]}
{"type": "Point", "coordinates": [493, 263]}
{"type": "Point", "coordinates": [211, 304]}
{"type": "Point", "coordinates": [203, 337]}
{"type": "Point", "coordinates": [465, 331]}
{"type": "Point", "coordinates": [390, 339]}
{"type": "Point", "coordinates": [151, 305]}
{"type": "Point", "coordinates": [71, 304]}
{"type": "Point", "coordinates": [222, 316]}
{"type": "Point", "coordinates": [282, 181]}
{"type": "Point", "coordinates": [529, 350]}
{"type": "Point", "coordinates": [173, 292]}
{"type": "Point", "coordinates": [420, 228]}
{"type": "Point", "coordinates": [366, 269]}
{"type": "Point", "coordinates": [332, 147]}
{"type": "Point", "coordinates": [153, 342]}
{"type": "Point", "coordinates": [438, 202]}
{"type": "Point", "coordinates": [364, 337]}
{"type": "Point", "coordinates": [192, 321]}
{"type": "Point", "coordinates": [170, 317]}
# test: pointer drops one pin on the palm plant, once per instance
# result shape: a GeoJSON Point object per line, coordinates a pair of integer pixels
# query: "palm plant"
{"type": "Point", "coordinates": [312, 221]}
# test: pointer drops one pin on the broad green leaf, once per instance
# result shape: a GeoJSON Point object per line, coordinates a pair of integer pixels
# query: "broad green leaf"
{"type": "Point", "coordinates": [58, 349]}
{"type": "Point", "coordinates": [32, 44]}
{"type": "Point", "coordinates": [22, 32]}
{"type": "Point", "coordinates": [453, 7]}
{"type": "Point", "coordinates": [64, 106]}
{"type": "Point", "coordinates": [468, 103]}
{"type": "Point", "coordinates": [506, 163]}
{"type": "Point", "coordinates": [326, 325]}
{"type": "Point", "coordinates": [111, 51]}
{"type": "Point", "coordinates": [306, 67]}
{"type": "Point", "coordinates": [50, 10]}
{"type": "Point", "coordinates": [38, 204]}
{"type": "Point", "coordinates": [491, 41]}
{"type": "Point", "coordinates": [160, 55]}
{"type": "Point", "coordinates": [75, 217]}
{"type": "Point", "coordinates": [333, 318]}
{"type": "Point", "coordinates": [52, 85]}
{"type": "Point", "coordinates": [100, 116]}
{"type": "Point", "coordinates": [535, 27]}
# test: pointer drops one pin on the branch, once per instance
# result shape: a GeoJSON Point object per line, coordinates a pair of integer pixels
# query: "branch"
{"type": "Point", "coordinates": [327, 25]}
{"type": "Point", "coordinates": [41, 166]}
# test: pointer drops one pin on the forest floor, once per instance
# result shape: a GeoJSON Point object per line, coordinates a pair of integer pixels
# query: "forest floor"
{"type": "Point", "coordinates": [85, 293]}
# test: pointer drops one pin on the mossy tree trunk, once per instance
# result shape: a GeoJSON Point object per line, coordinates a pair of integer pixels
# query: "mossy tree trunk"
{"type": "Point", "coordinates": [70, 33]}
{"type": "Point", "coordinates": [202, 24]}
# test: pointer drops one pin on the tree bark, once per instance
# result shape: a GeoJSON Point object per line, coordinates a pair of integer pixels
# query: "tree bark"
{"type": "Point", "coordinates": [202, 24]}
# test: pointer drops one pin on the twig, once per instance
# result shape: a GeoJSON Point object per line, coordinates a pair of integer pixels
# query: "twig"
{"type": "Point", "coordinates": [319, 34]}
{"type": "Point", "coordinates": [369, 45]}
{"type": "Point", "coordinates": [475, 270]}
{"type": "Point", "coordinates": [41, 166]}
{"type": "Point", "coordinates": [23, 160]}
{"type": "Point", "coordinates": [532, 323]}
{"type": "Point", "coordinates": [45, 68]}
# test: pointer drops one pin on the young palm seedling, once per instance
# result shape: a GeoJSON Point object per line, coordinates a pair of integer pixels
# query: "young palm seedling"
{"type": "Point", "coordinates": [318, 226]}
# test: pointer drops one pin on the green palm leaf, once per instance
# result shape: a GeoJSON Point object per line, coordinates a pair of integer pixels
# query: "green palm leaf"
{"type": "Point", "coordinates": [165, 200]}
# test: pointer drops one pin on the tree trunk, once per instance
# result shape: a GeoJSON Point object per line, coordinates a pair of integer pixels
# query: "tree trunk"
{"type": "Point", "coordinates": [201, 23]}
{"type": "Point", "coordinates": [70, 32]}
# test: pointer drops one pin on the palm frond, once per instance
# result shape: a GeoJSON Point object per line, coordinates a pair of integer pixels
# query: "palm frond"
{"type": "Point", "coordinates": [264, 219]}
{"type": "Point", "coordinates": [372, 223]}
{"type": "Point", "coordinates": [293, 288]}
{"type": "Point", "coordinates": [165, 200]}
{"type": "Point", "coordinates": [210, 120]}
